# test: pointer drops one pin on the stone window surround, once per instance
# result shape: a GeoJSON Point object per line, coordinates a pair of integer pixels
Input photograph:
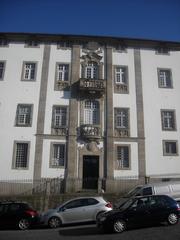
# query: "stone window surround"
{"type": "Point", "coordinates": [129, 148]}
{"type": "Point", "coordinates": [51, 154]}
{"type": "Point", "coordinates": [56, 87]}
{"type": "Point", "coordinates": [23, 70]}
{"type": "Point", "coordinates": [158, 73]}
{"type": "Point", "coordinates": [67, 111]}
{"type": "Point", "coordinates": [31, 115]}
{"type": "Point", "coordinates": [83, 65]}
{"type": "Point", "coordinates": [3, 61]}
{"type": "Point", "coordinates": [120, 84]}
{"type": "Point", "coordinates": [175, 124]}
{"type": "Point", "coordinates": [14, 155]}
{"type": "Point", "coordinates": [82, 102]}
{"type": "Point", "coordinates": [164, 151]}
{"type": "Point", "coordinates": [128, 112]}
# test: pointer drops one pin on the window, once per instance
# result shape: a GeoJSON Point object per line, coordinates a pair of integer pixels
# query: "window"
{"type": "Point", "coordinates": [91, 112]}
{"type": "Point", "coordinates": [62, 72]}
{"type": "Point", "coordinates": [29, 71]}
{"type": "Point", "coordinates": [59, 116]}
{"type": "Point", "coordinates": [2, 70]}
{"type": "Point", "coordinates": [3, 42]}
{"type": "Point", "coordinates": [21, 155]}
{"type": "Point", "coordinates": [123, 157]}
{"type": "Point", "coordinates": [24, 115]}
{"type": "Point", "coordinates": [170, 148]}
{"type": "Point", "coordinates": [58, 155]}
{"type": "Point", "coordinates": [165, 78]}
{"type": "Point", "coordinates": [63, 45]}
{"type": "Point", "coordinates": [32, 43]}
{"type": "Point", "coordinates": [121, 118]}
{"type": "Point", "coordinates": [168, 120]}
{"type": "Point", "coordinates": [162, 50]}
{"type": "Point", "coordinates": [91, 70]}
{"type": "Point", "coordinates": [120, 75]}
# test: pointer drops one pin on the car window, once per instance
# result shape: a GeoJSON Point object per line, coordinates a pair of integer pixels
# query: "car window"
{"type": "Point", "coordinates": [1, 209]}
{"type": "Point", "coordinates": [74, 204]}
{"type": "Point", "coordinates": [13, 207]}
{"type": "Point", "coordinates": [147, 191]}
{"type": "Point", "coordinates": [92, 201]}
{"type": "Point", "coordinates": [156, 201]}
{"type": "Point", "coordinates": [141, 203]}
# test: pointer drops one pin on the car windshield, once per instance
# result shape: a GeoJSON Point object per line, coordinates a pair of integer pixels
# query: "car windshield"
{"type": "Point", "coordinates": [127, 204]}
{"type": "Point", "coordinates": [133, 192]}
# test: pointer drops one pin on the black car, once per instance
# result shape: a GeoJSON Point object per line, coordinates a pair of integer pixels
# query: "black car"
{"type": "Point", "coordinates": [17, 214]}
{"type": "Point", "coordinates": [141, 211]}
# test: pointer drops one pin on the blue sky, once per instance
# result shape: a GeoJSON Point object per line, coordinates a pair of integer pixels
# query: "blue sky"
{"type": "Point", "coordinates": [146, 19]}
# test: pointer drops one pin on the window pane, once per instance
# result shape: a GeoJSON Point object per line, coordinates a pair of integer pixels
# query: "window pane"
{"type": "Point", "coordinates": [29, 71]}
{"type": "Point", "coordinates": [123, 157]}
{"type": "Point", "coordinates": [60, 116]}
{"type": "Point", "coordinates": [1, 69]}
{"type": "Point", "coordinates": [58, 155]}
{"type": "Point", "coordinates": [91, 70]}
{"type": "Point", "coordinates": [120, 75]}
{"type": "Point", "coordinates": [62, 72]}
{"type": "Point", "coordinates": [24, 115]}
{"type": "Point", "coordinates": [165, 78]}
{"type": "Point", "coordinates": [170, 148]}
{"type": "Point", "coordinates": [121, 118]}
{"type": "Point", "coordinates": [21, 155]}
{"type": "Point", "coordinates": [91, 112]}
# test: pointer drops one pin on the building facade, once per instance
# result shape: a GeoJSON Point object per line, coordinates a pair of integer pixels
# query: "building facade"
{"type": "Point", "coordinates": [89, 110]}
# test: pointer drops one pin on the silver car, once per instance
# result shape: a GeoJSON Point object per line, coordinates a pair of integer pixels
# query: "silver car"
{"type": "Point", "coordinates": [77, 210]}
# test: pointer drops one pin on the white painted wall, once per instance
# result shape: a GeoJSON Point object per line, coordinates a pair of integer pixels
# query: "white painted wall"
{"type": "Point", "coordinates": [127, 100]}
{"type": "Point", "coordinates": [12, 92]}
{"type": "Point", "coordinates": [155, 99]}
{"type": "Point", "coordinates": [55, 97]}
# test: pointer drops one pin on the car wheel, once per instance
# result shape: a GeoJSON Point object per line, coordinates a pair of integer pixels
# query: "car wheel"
{"type": "Point", "coordinates": [54, 222]}
{"type": "Point", "coordinates": [23, 224]}
{"type": "Point", "coordinates": [119, 226]}
{"type": "Point", "coordinates": [99, 215]}
{"type": "Point", "coordinates": [172, 219]}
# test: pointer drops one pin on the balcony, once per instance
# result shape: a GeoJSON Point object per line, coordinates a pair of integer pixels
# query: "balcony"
{"type": "Point", "coordinates": [89, 131]}
{"type": "Point", "coordinates": [92, 86]}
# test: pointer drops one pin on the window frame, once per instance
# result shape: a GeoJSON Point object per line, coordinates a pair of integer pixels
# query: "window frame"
{"type": "Point", "coordinates": [174, 128]}
{"type": "Point", "coordinates": [51, 165]}
{"type": "Point", "coordinates": [31, 115]}
{"type": "Point", "coordinates": [125, 74]}
{"type": "Point", "coordinates": [118, 167]}
{"type": "Point", "coordinates": [53, 116]}
{"type": "Point", "coordinates": [159, 79]}
{"type": "Point", "coordinates": [23, 71]}
{"type": "Point", "coordinates": [115, 118]}
{"type": "Point", "coordinates": [164, 148]}
{"type": "Point", "coordinates": [3, 69]}
{"type": "Point", "coordinates": [15, 155]}
{"type": "Point", "coordinates": [91, 112]}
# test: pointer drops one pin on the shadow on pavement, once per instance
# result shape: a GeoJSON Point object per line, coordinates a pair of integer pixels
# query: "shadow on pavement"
{"type": "Point", "coordinates": [80, 231]}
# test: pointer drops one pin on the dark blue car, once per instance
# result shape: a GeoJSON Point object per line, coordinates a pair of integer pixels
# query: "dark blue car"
{"type": "Point", "coordinates": [141, 211]}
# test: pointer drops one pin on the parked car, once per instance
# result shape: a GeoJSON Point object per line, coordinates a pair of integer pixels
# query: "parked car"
{"type": "Point", "coordinates": [17, 214]}
{"type": "Point", "coordinates": [78, 210]}
{"type": "Point", "coordinates": [171, 189]}
{"type": "Point", "coordinates": [141, 211]}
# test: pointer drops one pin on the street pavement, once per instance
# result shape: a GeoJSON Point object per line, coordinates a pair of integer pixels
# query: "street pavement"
{"type": "Point", "coordinates": [90, 232]}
